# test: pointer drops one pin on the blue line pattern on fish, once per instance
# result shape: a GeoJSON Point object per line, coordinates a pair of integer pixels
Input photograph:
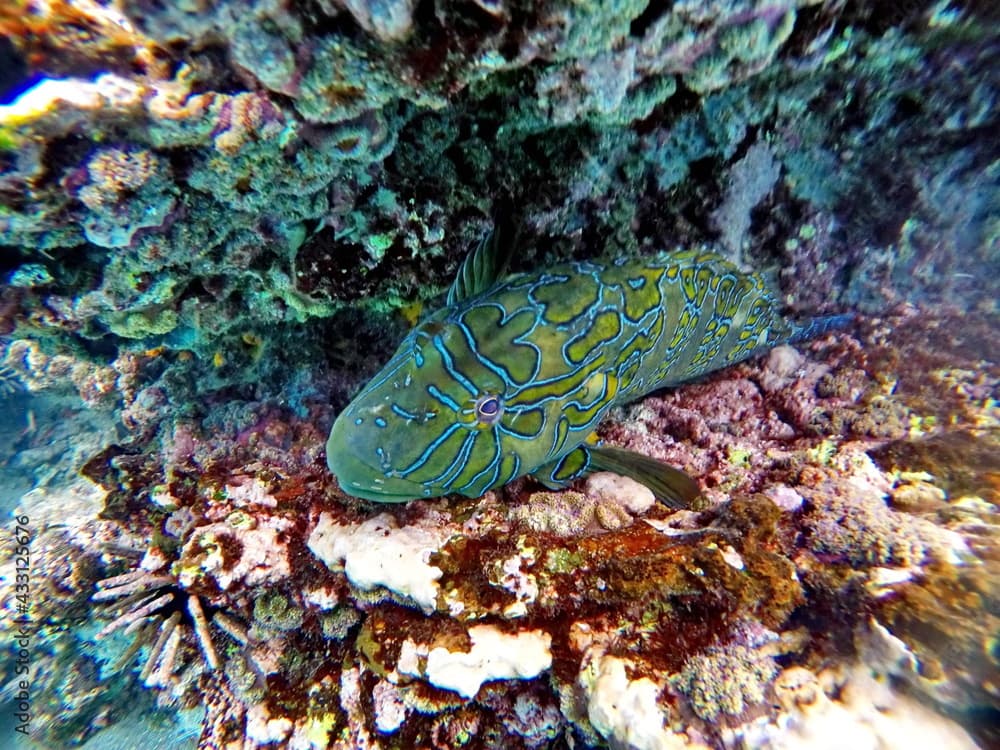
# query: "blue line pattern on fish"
{"type": "Point", "coordinates": [513, 376]}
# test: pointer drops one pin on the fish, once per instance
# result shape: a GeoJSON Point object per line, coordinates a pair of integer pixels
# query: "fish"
{"type": "Point", "coordinates": [514, 374]}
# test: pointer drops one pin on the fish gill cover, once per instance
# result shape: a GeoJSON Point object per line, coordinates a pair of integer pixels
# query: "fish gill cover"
{"type": "Point", "coordinates": [217, 222]}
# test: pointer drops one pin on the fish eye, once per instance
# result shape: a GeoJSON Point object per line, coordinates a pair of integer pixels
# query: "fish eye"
{"type": "Point", "coordinates": [488, 409]}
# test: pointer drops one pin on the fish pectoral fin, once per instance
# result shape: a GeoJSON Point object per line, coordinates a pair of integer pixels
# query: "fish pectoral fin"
{"type": "Point", "coordinates": [671, 486]}
{"type": "Point", "coordinates": [486, 264]}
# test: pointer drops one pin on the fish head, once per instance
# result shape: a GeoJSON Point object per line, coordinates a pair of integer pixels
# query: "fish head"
{"type": "Point", "coordinates": [436, 420]}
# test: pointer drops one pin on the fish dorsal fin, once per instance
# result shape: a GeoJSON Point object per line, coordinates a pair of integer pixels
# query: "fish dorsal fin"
{"type": "Point", "coordinates": [671, 486]}
{"type": "Point", "coordinates": [484, 266]}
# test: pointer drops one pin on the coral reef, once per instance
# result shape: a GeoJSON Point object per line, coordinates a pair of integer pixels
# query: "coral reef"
{"type": "Point", "coordinates": [234, 568]}
{"type": "Point", "coordinates": [284, 162]}
{"type": "Point", "coordinates": [217, 219]}
{"type": "Point", "coordinates": [726, 681]}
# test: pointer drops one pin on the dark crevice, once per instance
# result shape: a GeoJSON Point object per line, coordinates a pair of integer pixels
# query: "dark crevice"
{"type": "Point", "coordinates": [64, 155]}
{"type": "Point", "coordinates": [876, 18]}
{"type": "Point", "coordinates": [14, 74]}
{"type": "Point", "coordinates": [10, 258]}
{"type": "Point", "coordinates": [809, 22]}
{"type": "Point", "coordinates": [653, 12]}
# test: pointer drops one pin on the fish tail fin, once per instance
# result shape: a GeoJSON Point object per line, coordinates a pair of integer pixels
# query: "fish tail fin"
{"type": "Point", "coordinates": [816, 327]}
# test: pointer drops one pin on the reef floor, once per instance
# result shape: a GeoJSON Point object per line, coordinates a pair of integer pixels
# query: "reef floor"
{"type": "Point", "coordinates": [837, 585]}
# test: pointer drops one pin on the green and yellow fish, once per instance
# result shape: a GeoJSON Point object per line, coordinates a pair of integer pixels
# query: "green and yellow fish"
{"type": "Point", "coordinates": [513, 375]}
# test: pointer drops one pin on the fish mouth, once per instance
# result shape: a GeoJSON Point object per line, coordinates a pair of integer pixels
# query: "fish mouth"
{"type": "Point", "coordinates": [359, 478]}
{"type": "Point", "coordinates": [376, 495]}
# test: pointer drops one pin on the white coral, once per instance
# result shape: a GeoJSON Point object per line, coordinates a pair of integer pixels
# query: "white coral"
{"type": "Point", "coordinates": [379, 553]}
{"type": "Point", "coordinates": [263, 556]}
{"type": "Point", "coordinates": [494, 655]}
{"type": "Point", "coordinates": [627, 712]}
{"type": "Point", "coordinates": [865, 715]}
